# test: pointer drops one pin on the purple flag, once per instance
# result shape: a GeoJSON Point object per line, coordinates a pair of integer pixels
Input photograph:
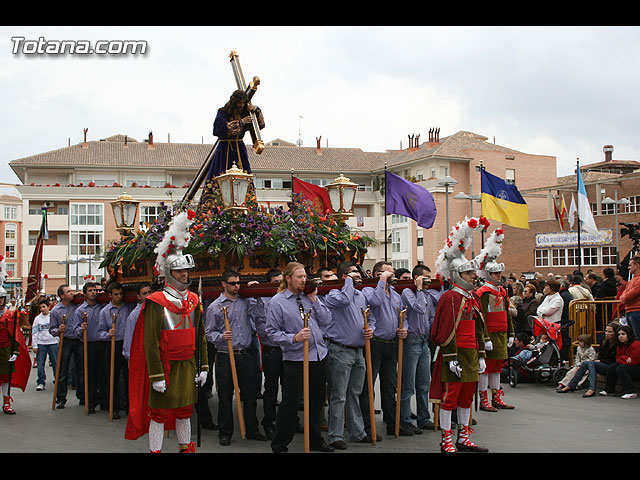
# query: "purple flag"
{"type": "Point", "coordinates": [411, 200]}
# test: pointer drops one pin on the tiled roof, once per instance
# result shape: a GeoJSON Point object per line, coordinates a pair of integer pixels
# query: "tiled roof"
{"type": "Point", "coordinates": [112, 152]}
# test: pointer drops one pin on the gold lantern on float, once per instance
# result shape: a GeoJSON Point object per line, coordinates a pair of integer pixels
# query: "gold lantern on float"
{"type": "Point", "coordinates": [234, 186]}
{"type": "Point", "coordinates": [342, 194]}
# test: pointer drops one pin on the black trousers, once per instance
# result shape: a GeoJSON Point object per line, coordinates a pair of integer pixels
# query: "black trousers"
{"type": "Point", "coordinates": [120, 376]}
{"type": "Point", "coordinates": [292, 395]}
{"type": "Point", "coordinates": [97, 370]}
{"type": "Point", "coordinates": [202, 405]}
{"type": "Point", "coordinates": [71, 351]}
{"type": "Point", "coordinates": [246, 371]}
{"type": "Point", "coordinates": [273, 370]}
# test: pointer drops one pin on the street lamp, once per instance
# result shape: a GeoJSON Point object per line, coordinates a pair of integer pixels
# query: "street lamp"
{"type": "Point", "coordinates": [234, 185]}
{"type": "Point", "coordinates": [342, 195]}
{"type": "Point", "coordinates": [446, 182]}
{"type": "Point", "coordinates": [125, 210]}
{"type": "Point", "coordinates": [471, 197]}
{"type": "Point", "coordinates": [616, 202]}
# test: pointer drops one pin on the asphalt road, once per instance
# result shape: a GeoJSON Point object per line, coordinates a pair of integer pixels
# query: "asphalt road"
{"type": "Point", "coordinates": [542, 422]}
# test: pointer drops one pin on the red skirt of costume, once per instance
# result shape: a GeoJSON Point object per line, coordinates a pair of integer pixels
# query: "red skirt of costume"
{"type": "Point", "coordinates": [20, 376]}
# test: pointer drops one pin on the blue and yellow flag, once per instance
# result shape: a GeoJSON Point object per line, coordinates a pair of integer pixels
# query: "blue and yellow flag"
{"type": "Point", "coordinates": [503, 202]}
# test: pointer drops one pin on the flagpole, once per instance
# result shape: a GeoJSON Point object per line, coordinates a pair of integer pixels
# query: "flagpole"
{"type": "Point", "coordinates": [578, 213]}
{"type": "Point", "coordinates": [385, 212]}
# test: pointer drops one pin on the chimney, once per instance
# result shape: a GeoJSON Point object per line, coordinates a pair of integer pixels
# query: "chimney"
{"type": "Point", "coordinates": [318, 147]}
{"type": "Point", "coordinates": [126, 141]}
{"type": "Point", "coordinates": [150, 145]}
{"type": "Point", "coordinates": [84, 144]}
{"type": "Point", "coordinates": [608, 153]}
{"type": "Point", "coordinates": [434, 137]}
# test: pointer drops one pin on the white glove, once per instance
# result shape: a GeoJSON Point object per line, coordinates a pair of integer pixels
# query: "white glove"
{"type": "Point", "coordinates": [200, 379]}
{"type": "Point", "coordinates": [510, 342]}
{"type": "Point", "coordinates": [160, 386]}
{"type": "Point", "coordinates": [488, 345]}
{"type": "Point", "coordinates": [454, 366]}
{"type": "Point", "coordinates": [13, 358]}
{"type": "Point", "coordinates": [482, 365]}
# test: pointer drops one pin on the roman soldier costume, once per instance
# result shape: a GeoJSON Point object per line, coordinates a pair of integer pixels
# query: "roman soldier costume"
{"type": "Point", "coordinates": [494, 301]}
{"type": "Point", "coordinates": [15, 362]}
{"type": "Point", "coordinates": [163, 368]}
{"type": "Point", "coordinates": [458, 331]}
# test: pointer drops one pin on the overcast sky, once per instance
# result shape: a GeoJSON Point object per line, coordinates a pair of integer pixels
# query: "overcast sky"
{"type": "Point", "coordinates": [560, 91]}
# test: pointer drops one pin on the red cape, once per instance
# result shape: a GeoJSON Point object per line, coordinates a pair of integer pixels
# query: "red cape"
{"type": "Point", "coordinates": [138, 418]}
{"type": "Point", "coordinates": [20, 377]}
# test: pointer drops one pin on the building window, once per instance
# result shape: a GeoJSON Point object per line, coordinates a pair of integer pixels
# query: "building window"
{"type": "Point", "coordinates": [149, 215]}
{"type": "Point", "coordinates": [590, 256]}
{"type": "Point", "coordinates": [146, 180]}
{"type": "Point", "coordinates": [10, 231]}
{"type": "Point", "coordinates": [396, 264]}
{"type": "Point", "coordinates": [86, 243]}
{"type": "Point", "coordinates": [395, 242]}
{"type": "Point", "coordinates": [634, 206]}
{"type": "Point", "coordinates": [542, 258]}
{"type": "Point", "coordinates": [11, 269]}
{"type": "Point", "coordinates": [10, 213]}
{"type": "Point", "coordinates": [608, 255]}
{"type": "Point", "coordinates": [510, 175]}
{"type": "Point", "coordinates": [559, 257]}
{"type": "Point", "coordinates": [87, 214]}
{"type": "Point", "coordinates": [10, 251]}
{"type": "Point", "coordinates": [398, 218]}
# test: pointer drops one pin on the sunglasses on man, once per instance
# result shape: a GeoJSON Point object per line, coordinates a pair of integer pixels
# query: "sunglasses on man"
{"type": "Point", "coordinates": [232, 283]}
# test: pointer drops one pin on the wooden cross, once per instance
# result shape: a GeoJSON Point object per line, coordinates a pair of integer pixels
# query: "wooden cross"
{"type": "Point", "coordinates": [254, 130]}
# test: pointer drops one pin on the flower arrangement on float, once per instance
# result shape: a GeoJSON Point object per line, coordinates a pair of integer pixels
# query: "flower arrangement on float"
{"type": "Point", "coordinates": [278, 235]}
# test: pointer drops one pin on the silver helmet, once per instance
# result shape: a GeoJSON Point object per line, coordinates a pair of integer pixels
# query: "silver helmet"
{"type": "Point", "coordinates": [451, 261]}
{"type": "Point", "coordinates": [178, 261]}
{"type": "Point", "coordinates": [486, 259]}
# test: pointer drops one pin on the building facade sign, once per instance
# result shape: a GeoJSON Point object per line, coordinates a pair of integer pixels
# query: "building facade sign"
{"type": "Point", "coordinates": [570, 239]}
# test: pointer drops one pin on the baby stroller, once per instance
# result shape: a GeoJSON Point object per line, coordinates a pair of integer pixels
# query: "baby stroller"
{"type": "Point", "coordinates": [546, 365]}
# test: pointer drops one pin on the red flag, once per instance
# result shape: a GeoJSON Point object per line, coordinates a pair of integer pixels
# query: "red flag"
{"type": "Point", "coordinates": [557, 214]}
{"type": "Point", "coordinates": [33, 281]}
{"type": "Point", "coordinates": [317, 195]}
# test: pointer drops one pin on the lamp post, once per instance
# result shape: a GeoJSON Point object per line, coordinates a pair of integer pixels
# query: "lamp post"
{"type": "Point", "coordinates": [125, 210]}
{"type": "Point", "coordinates": [342, 195]}
{"type": "Point", "coordinates": [446, 182]}
{"type": "Point", "coordinates": [471, 197]}
{"type": "Point", "coordinates": [234, 185]}
{"type": "Point", "coordinates": [616, 202]}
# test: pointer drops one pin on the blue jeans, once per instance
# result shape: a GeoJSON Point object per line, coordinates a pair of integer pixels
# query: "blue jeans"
{"type": "Point", "coordinates": [416, 379]}
{"type": "Point", "coordinates": [345, 381]}
{"type": "Point", "coordinates": [41, 358]}
{"type": "Point", "coordinates": [594, 368]}
{"type": "Point", "coordinates": [633, 318]}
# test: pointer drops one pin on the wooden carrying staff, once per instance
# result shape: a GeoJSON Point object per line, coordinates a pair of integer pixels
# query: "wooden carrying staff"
{"type": "Point", "coordinates": [113, 362]}
{"type": "Point", "coordinates": [401, 314]}
{"type": "Point", "coordinates": [367, 351]}
{"type": "Point", "coordinates": [305, 378]}
{"type": "Point", "coordinates": [55, 386]}
{"type": "Point", "coordinates": [86, 365]}
{"type": "Point", "coordinates": [234, 373]}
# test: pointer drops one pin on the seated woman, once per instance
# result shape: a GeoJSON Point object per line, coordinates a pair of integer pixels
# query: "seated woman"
{"type": "Point", "coordinates": [552, 304]}
{"type": "Point", "coordinates": [606, 356]}
{"type": "Point", "coordinates": [627, 366]}
{"type": "Point", "coordinates": [584, 353]}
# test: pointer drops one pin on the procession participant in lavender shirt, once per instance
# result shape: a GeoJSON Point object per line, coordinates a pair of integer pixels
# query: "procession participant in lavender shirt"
{"type": "Point", "coordinates": [239, 310]}
{"type": "Point", "coordinates": [117, 307]}
{"type": "Point", "coordinates": [142, 291]}
{"type": "Point", "coordinates": [71, 346]}
{"type": "Point", "coordinates": [284, 326]}
{"type": "Point", "coordinates": [416, 354]}
{"type": "Point", "coordinates": [385, 304]}
{"type": "Point", "coordinates": [272, 366]}
{"type": "Point", "coordinates": [346, 337]}
{"type": "Point", "coordinates": [95, 346]}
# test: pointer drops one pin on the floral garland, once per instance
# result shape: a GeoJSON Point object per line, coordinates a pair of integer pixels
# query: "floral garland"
{"type": "Point", "coordinates": [278, 234]}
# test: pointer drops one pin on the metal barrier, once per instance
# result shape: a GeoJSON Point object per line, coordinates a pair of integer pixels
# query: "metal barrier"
{"type": "Point", "coordinates": [591, 317]}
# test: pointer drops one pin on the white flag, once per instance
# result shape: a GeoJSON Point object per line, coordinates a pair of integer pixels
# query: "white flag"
{"type": "Point", "coordinates": [584, 210]}
{"type": "Point", "coordinates": [572, 211]}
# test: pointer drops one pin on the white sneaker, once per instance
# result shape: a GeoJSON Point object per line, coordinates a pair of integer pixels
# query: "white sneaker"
{"type": "Point", "coordinates": [603, 393]}
{"type": "Point", "coordinates": [630, 395]}
{"type": "Point", "coordinates": [40, 387]}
